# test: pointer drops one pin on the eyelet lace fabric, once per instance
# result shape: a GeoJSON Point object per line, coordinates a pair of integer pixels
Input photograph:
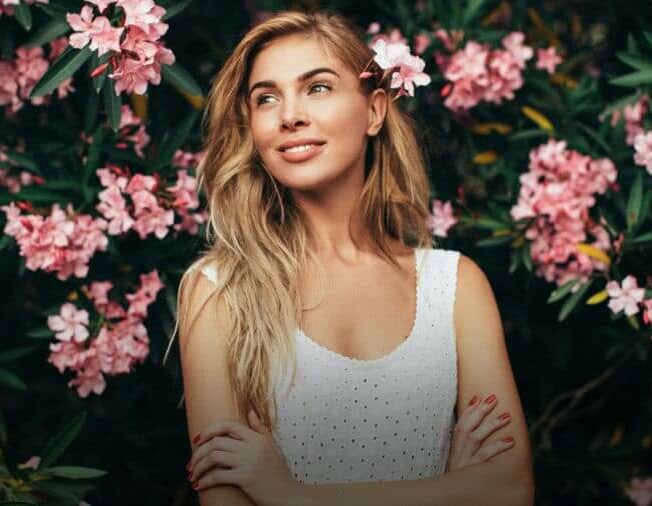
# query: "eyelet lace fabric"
{"type": "Point", "coordinates": [349, 420]}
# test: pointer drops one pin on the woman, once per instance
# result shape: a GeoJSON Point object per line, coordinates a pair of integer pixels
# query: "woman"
{"type": "Point", "coordinates": [311, 170]}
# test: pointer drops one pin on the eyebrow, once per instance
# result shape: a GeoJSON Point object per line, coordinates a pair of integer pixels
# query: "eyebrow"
{"type": "Point", "coordinates": [303, 77]}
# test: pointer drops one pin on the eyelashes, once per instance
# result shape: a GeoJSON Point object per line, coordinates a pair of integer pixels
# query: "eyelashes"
{"type": "Point", "coordinates": [260, 100]}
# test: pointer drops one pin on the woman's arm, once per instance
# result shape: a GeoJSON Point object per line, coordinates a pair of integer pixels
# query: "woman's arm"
{"type": "Point", "coordinates": [484, 368]}
{"type": "Point", "coordinates": [208, 394]}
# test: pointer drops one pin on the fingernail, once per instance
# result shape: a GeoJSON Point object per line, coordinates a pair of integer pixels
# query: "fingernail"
{"type": "Point", "coordinates": [188, 466]}
{"type": "Point", "coordinates": [490, 399]}
{"type": "Point", "coordinates": [196, 438]}
{"type": "Point", "coordinates": [195, 485]}
{"type": "Point", "coordinates": [504, 416]}
{"type": "Point", "coordinates": [508, 439]}
{"type": "Point", "coordinates": [473, 400]}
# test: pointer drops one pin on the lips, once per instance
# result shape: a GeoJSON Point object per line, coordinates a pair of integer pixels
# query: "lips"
{"type": "Point", "coordinates": [302, 155]}
{"type": "Point", "coordinates": [300, 142]}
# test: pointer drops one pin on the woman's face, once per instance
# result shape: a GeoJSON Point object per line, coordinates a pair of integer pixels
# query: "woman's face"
{"type": "Point", "coordinates": [308, 117]}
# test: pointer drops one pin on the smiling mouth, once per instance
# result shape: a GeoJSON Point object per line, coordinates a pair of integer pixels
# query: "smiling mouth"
{"type": "Point", "coordinates": [299, 149]}
{"type": "Point", "coordinates": [301, 153]}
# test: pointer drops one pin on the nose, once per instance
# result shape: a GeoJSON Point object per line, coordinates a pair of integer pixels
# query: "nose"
{"type": "Point", "coordinates": [293, 115]}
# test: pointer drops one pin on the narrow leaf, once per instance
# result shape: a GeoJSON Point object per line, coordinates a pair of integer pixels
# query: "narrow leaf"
{"type": "Point", "coordinates": [58, 443]}
{"type": "Point", "coordinates": [48, 32]}
{"type": "Point", "coordinates": [23, 15]}
{"type": "Point", "coordinates": [64, 67]}
{"type": "Point", "coordinates": [11, 380]}
{"type": "Point", "coordinates": [176, 9]}
{"type": "Point", "coordinates": [16, 353]}
{"type": "Point", "coordinates": [647, 237]}
{"type": "Point", "coordinates": [634, 204]}
{"type": "Point", "coordinates": [573, 300]}
{"type": "Point", "coordinates": [74, 472]}
{"type": "Point", "coordinates": [112, 106]}
{"type": "Point", "coordinates": [633, 79]}
{"type": "Point", "coordinates": [634, 60]}
{"type": "Point", "coordinates": [180, 79]}
{"type": "Point", "coordinates": [177, 137]}
{"type": "Point", "coordinates": [561, 292]}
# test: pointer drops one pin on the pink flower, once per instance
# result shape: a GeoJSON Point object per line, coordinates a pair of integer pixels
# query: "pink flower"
{"type": "Point", "coordinates": [102, 36]}
{"type": "Point", "coordinates": [643, 147]}
{"type": "Point", "coordinates": [31, 463]}
{"type": "Point", "coordinates": [70, 323]}
{"type": "Point", "coordinates": [374, 27]}
{"type": "Point", "coordinates": [421, 43]}
{"type": "Point", "coordinates": [410, 67]}
{"type": "Point", "coordinates": [441, 218]}
{"type": "Point", "coordinates": [548, 59]}
{"type": "Point", "coordinates": [639, 491]}
{"type": "Point", "coordinates": [626, 296]}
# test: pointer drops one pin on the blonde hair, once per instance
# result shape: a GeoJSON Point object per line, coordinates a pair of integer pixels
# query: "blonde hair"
{"type": "Point", "coordinates": [259, 239]}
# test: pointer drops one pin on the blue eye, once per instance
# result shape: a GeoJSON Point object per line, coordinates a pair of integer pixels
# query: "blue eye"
{"type": "Point", "coordinates": [261, 99]}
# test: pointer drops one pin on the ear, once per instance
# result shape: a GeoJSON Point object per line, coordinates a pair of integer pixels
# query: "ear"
{"type": "Point", "coordinates": [377, 110]}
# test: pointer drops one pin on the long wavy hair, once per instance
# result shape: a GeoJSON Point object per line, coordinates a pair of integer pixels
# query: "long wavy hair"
{"type": "Point", "coordinates": [258, 237]}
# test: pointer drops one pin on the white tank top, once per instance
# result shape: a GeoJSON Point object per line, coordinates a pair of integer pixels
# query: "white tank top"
{"type": "Point", "coordinates": [388, 419]}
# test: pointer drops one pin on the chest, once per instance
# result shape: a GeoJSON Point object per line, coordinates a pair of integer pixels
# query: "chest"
{"type": "Point", "coordinates": [363, 312]}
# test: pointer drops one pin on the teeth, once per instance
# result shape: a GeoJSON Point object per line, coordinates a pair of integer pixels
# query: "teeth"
{"type": "Point", "coordinates": [298, 149]}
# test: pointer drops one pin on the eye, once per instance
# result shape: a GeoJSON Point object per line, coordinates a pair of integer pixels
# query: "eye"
{"type": "Point", "coordinates": [261, 98]}
{"type": "Point", "coordinates": [320, 85]}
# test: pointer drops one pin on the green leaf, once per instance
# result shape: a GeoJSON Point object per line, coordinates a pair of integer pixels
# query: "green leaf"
{"type": "Point", "coordinates": [74, 472]}
{"type": "Point", "coordinates": [60, 8]}
{"type": "Point", "coordinates": [527, 258]}
{"type": "Point", "coordinates": [473, 9]}
{"type": "Point", "coordinates": [622, 102]}
{"type": "Point", "coordinates": [515, 261]}
{"type": "Point", "coordinates": [96, 61]}
{"type": "Point", "coordinates": [648, 37]}
{"type": "Point", "coordinates": [11, 380]}
{"type": "Point", "coordinates": [16, 353]}
{"type": "Point", "coordinates": [173, 140]}
{"type": "Point", "coordinates": [40, 333]}
{"type": "Point", "coordinates": [23, 15]}
{"type": "Point", "coordinates": [642, 238]}
{"type": "Point", "coordinates": [176, 9]}
{"type": "Point", "coordinates": [5, 241]}
{"type": "Point", "coordinates": [58, 443]}
{"type": "Point", "coordinates": [489, 223]}
{"type": "Point", "coordinates": [634, 60]}
{"type": "Point", "coordinates": [634, 204]}
{"type": "Point", "coordinates": [62, 68]}
{"type": "Point", "coordinates": [561, 292]}
{"type": "Point", "coordinates": [48, 32]}
{"type": "Point", "coordinates": [573, 300]}
{"type": "Point", "coordinates": [180, 79]}
{"type": "Point", "coordinates": [493, 241]}
{"type": "Point", "coordinates": [23, 160]}
{"type": "Point", "coordinates": [112, 106]}
{"type": "Point", "coordinates": [35, 195]}
{"type": "Point", "coordinates": [93, 159]}
{"type": "Point", "coordinates": [633, 79]}
{"type": "Point", "coordinates": [594, 136]}
{"type": "Point", "coordinates": [527, 134]}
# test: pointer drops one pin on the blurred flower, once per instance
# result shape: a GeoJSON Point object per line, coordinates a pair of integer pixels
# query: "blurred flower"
{"type": "Point", "coordinates": [639, 491]}
{"type": "Point", "coordinates": [410, 67]}
{"type": "Point", "coordinates": [548, 59]}
{"type": "Point", "coordinates": [625, 297]}
{"type": "Point", "coordinates": [643, 147]}
{"type": "Point", "coordinates": [441, 219]}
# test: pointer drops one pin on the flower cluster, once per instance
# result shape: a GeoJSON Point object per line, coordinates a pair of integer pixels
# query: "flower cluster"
{"type": "Point", "coordinates": [479, 73]}
{"type": "Point", "coordinates": [63, 242]}
{"type": "Point", "coordinates": [120, 343]}
{"type": "Point", "coordinates": [151, 208]}
{"type": "Point", "coordinates": [639, 491]}
{"type": "Point", "coordinates": [557, 192]}
{"type": "Point", "coordinates": [136, 49]}
{"type": "Point", "coordinates": [7, 6]}
{"type": "Point", "coordinates": [633, 115]}
{"type": "Point", "coordinates": [18, 76]}
{"type": "Point", "coordinates": [441, 218]}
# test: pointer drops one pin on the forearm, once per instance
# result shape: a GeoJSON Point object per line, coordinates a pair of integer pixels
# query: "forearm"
{"type": "Point", "coordinates": [472, 485]}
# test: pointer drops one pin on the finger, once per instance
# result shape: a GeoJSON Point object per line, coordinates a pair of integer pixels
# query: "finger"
{"type": "Point", "coordinates": [224, 443]}
{"type": "Point", "coordinates": [232, 428]}
{"type": "Point", "coordinates": [217, 477]}
{"type": "Point", "coordinates": [256, 423]}
{"type": "Point", "coordinates": [490, 425]}
{"type": "Point", "coordinates": [473, 416]}
{"type": "Point", "coordinates": [491, 449]}
{"type": "Point", "coordinates": [216, 459]}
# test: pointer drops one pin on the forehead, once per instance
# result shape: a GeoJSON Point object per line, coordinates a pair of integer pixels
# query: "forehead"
{"type": "Point", "coordinates": [289, 56]}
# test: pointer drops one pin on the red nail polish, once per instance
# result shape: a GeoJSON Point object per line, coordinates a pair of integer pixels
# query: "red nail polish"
{"type": "Point", "coordinates": [196, 438]}
{"type": "Point", "coordinates": [195, 485]}
{"type": "Point", "coordinates": [188, 466]}
{"type": "Point", "coordinates": [504, 416]}
{"type": "Point", "coordinates": [473, 400]}
{"type": "Point", "coordinates": [490, 399]}
{"type": "Point", "coordinates": [508, 439]}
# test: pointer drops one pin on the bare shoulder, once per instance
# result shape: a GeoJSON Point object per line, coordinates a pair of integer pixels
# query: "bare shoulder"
{"type": "Point", "coordinates": [207, 389]}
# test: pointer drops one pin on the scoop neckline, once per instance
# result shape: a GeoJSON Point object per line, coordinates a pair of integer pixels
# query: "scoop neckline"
{"type": "Point", "coordinates": [394, 352]}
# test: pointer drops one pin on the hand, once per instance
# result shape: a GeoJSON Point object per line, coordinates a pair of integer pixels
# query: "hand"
{"type": "Point", "coordinates": [231, 453]}
{"type": "Point", "coordinates": [471, 430]}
